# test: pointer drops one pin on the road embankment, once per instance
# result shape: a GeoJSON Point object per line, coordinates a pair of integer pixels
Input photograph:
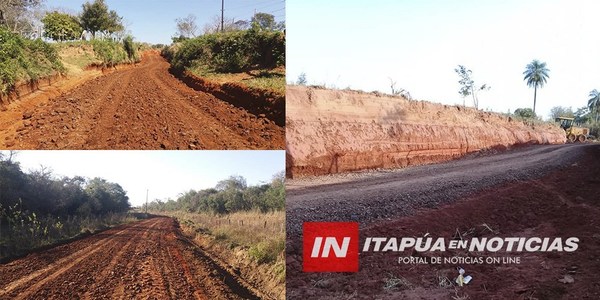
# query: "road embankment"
{"type": "Point", "coordinates": [332, 131]}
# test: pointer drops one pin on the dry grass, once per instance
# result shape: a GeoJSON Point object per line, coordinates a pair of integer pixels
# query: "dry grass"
{"type": "Point", "coordinates": [253, 242]}
{"type": "Point", "coordinates": [272, 80]}
{"type": "Point", "coordinates": [76, 56]}
{"type": "Point", "coordinates": [244, 229]}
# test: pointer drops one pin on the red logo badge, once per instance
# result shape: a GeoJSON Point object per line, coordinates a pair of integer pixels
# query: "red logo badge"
{"type": "Point", "coordinates": [330, 247]}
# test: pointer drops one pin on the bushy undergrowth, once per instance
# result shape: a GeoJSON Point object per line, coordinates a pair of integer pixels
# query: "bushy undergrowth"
{"type": "Point", "coordinates": [23, 59]}
{"type": "Point", "coordinates": [229, 196]}
{"type": "Point", "coordinates": [229, 52]}
{"type": "Point", "coordinates": [22, 230]}
{"type": "Point", "coordinates": [112, 53]}
{"type": "Point", "coordinates": [262, 235]}
{"type": "Point", "coordinates": [594, 129]}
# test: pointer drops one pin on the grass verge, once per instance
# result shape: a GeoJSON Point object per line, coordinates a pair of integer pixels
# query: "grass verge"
{"type": "Point", "coordinates": [251, 242]}
{"type": "Point", "coordinates": [260, 80]}
{"type": "Point", "coordinates": [23, 60]}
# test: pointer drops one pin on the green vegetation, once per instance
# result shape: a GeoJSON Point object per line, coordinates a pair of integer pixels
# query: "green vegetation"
{"type": "Point", "coordinates": [23, 59]}
{"type": "Point", "coordinates": [229, 196]}
{"type": "Point", "coordinates": [230, 51]}
{"type": "Point", "coordinates": [254, 57]}
{"type": "Point", "coordinates": [61, 27]}
{"type": "Point", "coordinates": [587, 116]}
{"type": "Point", "coordinates": [525, 113]}
{"type": "Point", "coordinates": [233, 216]}
{"type": "Point", "coordinates": [96, 17]}
{"type": "Point", "coordinates": [467, 85]}
{"type": "Point", "coordinates": [19, 15]}
{"type": "Point", "coordinates": [261, 236]}
{"type": "Point", "coordinates": [38, 209]}
{"type": "Point", "coordinates": [77, 54]}
{"type": "Point", "coordinates": [268, 80]}
{"type": "Point", "coordinates": [536, 75]}
{"type": "Point", "coordinates": [559, 111]}
{"type": "Point", "coordinates": [112, 53]}
{"type": "Point", "coordinates": [594, 104]}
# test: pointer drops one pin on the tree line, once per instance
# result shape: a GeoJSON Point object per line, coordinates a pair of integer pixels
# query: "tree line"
{"type": "Point", "coordinates": [229, 196]}
{"type": "Point", "coordinates": [42, 193]}
{"type": "Point", "coordinates": [94, 18]}
{"type": "Point", "coordinates": [22, 16]}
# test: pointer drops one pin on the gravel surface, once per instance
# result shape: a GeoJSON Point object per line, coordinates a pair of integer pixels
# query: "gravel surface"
{"type": "Point", "coordinates": [367, 197]}
{"type": "Point", "coordinates": [149, 259]}
{"type": "Point", "coordinates": [142, 107]}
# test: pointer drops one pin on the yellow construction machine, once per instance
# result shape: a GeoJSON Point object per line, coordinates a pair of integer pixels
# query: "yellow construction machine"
{"type": "Point", "coordinates": [573, 133]}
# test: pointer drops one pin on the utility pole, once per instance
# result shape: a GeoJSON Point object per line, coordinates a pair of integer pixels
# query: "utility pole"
{"type": "Point", "coordinates": [222, 13]}
{"type": "Point", "coordinates": [146, 201]}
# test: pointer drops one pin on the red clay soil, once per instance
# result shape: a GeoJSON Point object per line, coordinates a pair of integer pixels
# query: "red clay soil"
{"type": "Point", "coordinates": [263, 103]}
{"type": "Point", "coordinates": [333, 131]}
{"type": "Point", "coordinates": [145, 260]}
{"type": "Point", "coordinates": [144, 107]}
{"type": "Point", "coordinates": [563, 203]}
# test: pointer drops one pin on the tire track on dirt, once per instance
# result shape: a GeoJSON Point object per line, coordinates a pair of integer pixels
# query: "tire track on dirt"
{"type": "Point", "coordinates": [111, 268]}
{"type": "Point", "coordinates": [180, 102]}
{"type": "Point", "coordinates": [63, 266]}
{"type": "Point", "coordinates": [142, 260]}
{"type": "Point", "coordinates": [122, 109]}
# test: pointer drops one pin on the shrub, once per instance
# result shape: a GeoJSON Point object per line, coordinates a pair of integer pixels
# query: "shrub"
{"type": "Point", "coordinates": [267, 252]}
{"type": "Point", "coordinates": [130, 48]}
{"type": "Point", "coordinates": [23, 59]}
{"type": "Point", "coordinates": [112, 53]}
{"type": "Point", "coordinates": [595, 130]}
{"type": "Point", "coordinates": [230, 51]}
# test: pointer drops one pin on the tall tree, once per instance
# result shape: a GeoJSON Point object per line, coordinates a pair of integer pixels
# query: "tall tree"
{"type": "Point", "coordinates": [560, 111]}
{"type": "Point", "coordinates": [594, 103]}
{"type": "Point", "coordinates": [17, 15]}
{"type": "Point", "coordinates": [536, 75]}
{"type": "Point", "coordinates": [264, 21]}
{"type": "Point", "coordinates": [96, 17]}
{"type": "Point", "coordinates": [186, 27]}
{"type": "Point", "coordinates": [61, 27]}
{"type": "Point", "coordinates": [582, 115]}
{"type": "Point", "coordinates": [468, 86]}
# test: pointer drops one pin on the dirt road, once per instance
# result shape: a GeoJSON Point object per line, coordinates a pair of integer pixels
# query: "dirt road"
{"type": "Point", "coordinates": [142, 107]}
{"type": "Point", "coordinates": [537, 191]}
{"type": "Point", "coordinates": [143, 260]}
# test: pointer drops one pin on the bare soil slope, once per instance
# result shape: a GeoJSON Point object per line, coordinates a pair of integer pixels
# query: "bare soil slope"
{"type": "Point", "coordinates": [143, 107]}
{"type": "Point", "coordinates": [144, 260]}
{"type": "Point", "coordinates": [330, 131]}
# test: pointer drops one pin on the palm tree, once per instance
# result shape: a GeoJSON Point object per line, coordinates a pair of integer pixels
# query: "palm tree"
{"type": "Point", "coordinates": [594, 102]}
{"type": "Point", "coordinates": [536, 74]}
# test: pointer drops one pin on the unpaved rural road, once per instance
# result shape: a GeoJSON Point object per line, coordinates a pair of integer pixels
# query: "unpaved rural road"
{"type": "Point", "coordinates": [142, 107]}
{"type": "Point", "coordinates": [379, 195]}
{"type": "Point", "coordinates": [143, 260]}
{"type": "Point", "coordinates": [535, 191]}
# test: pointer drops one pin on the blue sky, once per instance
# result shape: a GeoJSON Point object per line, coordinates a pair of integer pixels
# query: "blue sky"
{"type": "Point", "coordinates": [361, 44]}
{"type": "Point", "coordinates": [165, 173]}
{"type": "Point", "coordinates": [153, 21]}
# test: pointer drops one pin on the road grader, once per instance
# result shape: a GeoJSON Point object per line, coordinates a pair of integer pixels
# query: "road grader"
{"type": "Point", "coordinates": [574, 134]}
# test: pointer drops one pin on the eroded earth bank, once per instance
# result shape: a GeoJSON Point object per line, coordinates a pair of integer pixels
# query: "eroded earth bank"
{"type": "Point", "coordinates": [140, 107]}
{"type": "Point", "coordinates": [331, 131]}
